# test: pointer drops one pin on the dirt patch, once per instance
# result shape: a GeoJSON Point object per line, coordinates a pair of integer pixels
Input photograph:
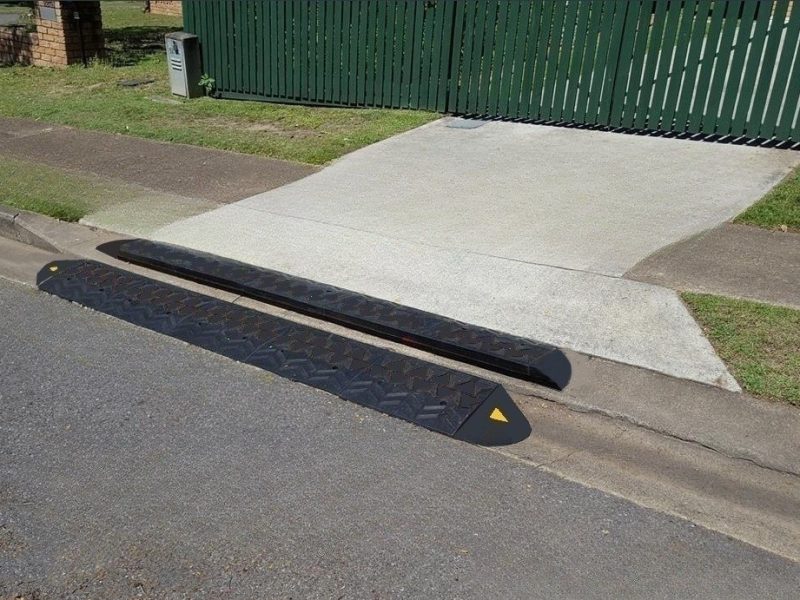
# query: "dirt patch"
{"type": "Point", "coordinates": [291, 132]}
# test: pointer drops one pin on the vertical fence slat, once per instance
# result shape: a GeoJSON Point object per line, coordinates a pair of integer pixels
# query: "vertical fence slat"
{"type": "Point", "coordinates": [416, 31]}
{"type": "Point", "coordinates": [643, 107]}
{"type": "Point", "coordinates": [261, 40]}
{"type": "Point", "coordinates": [527, 66]}
{"type": "Point", "coordinates": [380, 43]}
{"type": "Point", "coordinates": [291, 57]}
{"type": "Point", "coordinates": [566, 55]}
{"type": "Point", "coordinates": [397, 54]}
{"type": "Point", "coordinates": [481, 34]}
{"type": "Point", "coordinates": [408, 55]}
{"type": "Point", "coordinates": [300, 41]}
{"type": "Point", "coordinates": [315, 50]}
{"type": "Point", "coordinates": [236, 46]}
{"type": "Point", "coordinates": [664, 70]}
{"type": "Point", "coordinates": [552, 61]}
{"type": "Point", "coordinates": [342, 52]}
{"type": "Point", "coordinates": [700, 32]}
{"type": "Point", "coordinates": [428, 96]}
{"type": "Point", "coordinates": [716, 95]}
{"type": "Point", "coordinates": [755, 61]}
{"type": "Point", "coordinates": [499, 104]}
{"type": "Point", "coordinates": [446, 27]}
{"type": "Point", "coordinates": [369, 57]}
{"type": "Point", "coordinates": [518, 60]}
{"type": "Point", "coordinates": [252, 57]}
{"type": "Point", "coordinates": [272, 49]}
{"type": "Point", "coordinates": [784, 129]}
{"type": "Point", "coordinates": [487, 58]}
{"type": "Point", "coordinates": [677, 69]}
{"type": "Point", "coordinates": [453, 84]}
{"type": "Point", "coordinates": [601, 59]}
{"type": "Point", "coordinates": [633, 86]}
{"type": "Point", "coordinates": [301, 27]}
{"type": "Point", "coordinates": [534, 110]}
{"type": "Point", "coordinates": [611, 61]}
{"type": "Point", "coordinates": [496, 62]}
{"type": "Point", "coordinates": [762, 86]}
{"type": "Point", "coordinates": [783, 70]}
{"type": "Point", "coordinates": [352, 59]}
{"type": "Point", "coordinates": [592, 34]}
{"type": "Point", "coordinates": [733, 84]}
{"type": "Point", "coordinates": [336, 51]}
{"type": "Point", "coordinates": [388, 49]}
{"type": "Point", "coordinates": [470, 7]}
{"type": "Point", "coordinates": [624, 64]}
{"type": "Point", "coordinates": [576, 61]}
{"type": "Point", "coordinates": [709, 49]}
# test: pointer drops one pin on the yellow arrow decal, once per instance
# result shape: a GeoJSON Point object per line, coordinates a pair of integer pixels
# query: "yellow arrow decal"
{"type": "Point", "coordinates": [497, 415]}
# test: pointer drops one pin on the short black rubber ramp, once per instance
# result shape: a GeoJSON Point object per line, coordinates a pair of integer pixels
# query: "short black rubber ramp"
{"type": "Point", "coordinates": [493, 350]}
{"type": "Point", "coordinates": [451, 402]}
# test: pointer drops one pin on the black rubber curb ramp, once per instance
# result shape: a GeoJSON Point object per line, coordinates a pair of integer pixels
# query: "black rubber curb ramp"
{"type": "Point", "coordinates": [493, 350]}
{"type": "Point", "coordinates": [451, 402]}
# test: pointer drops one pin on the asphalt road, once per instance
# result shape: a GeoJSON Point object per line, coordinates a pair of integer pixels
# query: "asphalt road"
{"type": "Point", "coordinates": [133, 465]}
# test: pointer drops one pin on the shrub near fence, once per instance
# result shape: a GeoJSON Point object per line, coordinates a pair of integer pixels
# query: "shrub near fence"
{"type": "Point", "coordinates": [724, 67]}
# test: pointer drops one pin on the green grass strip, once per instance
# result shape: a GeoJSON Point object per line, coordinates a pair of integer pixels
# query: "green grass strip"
{"type": "Point", "coordinates": [760, 343]}
{"type": "Point", "coordinates": [53, 192]}
{"type": "Point", "coordinates": [780, 207]}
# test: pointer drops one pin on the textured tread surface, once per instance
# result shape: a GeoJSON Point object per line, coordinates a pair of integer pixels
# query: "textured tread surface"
{"type": "Point", "coordinates": [493, 350]}
{"type": "Point", "coordinates": [428, 395]}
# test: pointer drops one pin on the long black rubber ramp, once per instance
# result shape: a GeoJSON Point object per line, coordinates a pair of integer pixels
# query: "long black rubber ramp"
{"type": "Point", "coordinates": [451, 402]}
{"type": "Point", "coordinates": [493, 350]}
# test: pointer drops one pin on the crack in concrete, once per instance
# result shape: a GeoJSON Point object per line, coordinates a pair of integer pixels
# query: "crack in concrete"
{"type": "Point", "coordinates": [687, 440]}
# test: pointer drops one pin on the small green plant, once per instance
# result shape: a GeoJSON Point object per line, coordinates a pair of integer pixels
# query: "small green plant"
{"type": "Point", "coordinates": [207, 82]}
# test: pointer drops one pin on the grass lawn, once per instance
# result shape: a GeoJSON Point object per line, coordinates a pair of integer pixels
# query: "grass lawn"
{"type": "Point", "coordinates": [759, 343]}
{"type": "Point", "coordinates": [92, 98]}
{"type": "Point", "coordinates": [781, 206]}
{"type": "Point", "coordinates": [53, 192]}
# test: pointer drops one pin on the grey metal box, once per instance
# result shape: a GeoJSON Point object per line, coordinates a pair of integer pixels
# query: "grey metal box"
{"type": "Point", "coordinates": [184, 62]}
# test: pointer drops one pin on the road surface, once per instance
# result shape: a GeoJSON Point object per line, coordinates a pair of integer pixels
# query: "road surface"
{"type": "Point", "coordinates": [133, 465]}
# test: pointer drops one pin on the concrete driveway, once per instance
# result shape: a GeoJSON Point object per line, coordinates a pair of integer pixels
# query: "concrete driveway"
{"type": "Point", "coordinates": [523, 228]}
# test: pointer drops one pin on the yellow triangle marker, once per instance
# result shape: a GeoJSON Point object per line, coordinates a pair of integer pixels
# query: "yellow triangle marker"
{"type": "Point", "coordinates": [498, 416]}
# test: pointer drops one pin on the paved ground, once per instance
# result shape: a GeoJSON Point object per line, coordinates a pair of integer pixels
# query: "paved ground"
{"type": "Point", "coordinates": [168, 182]}
{"type": "Point", "coordinates": [205, 478]}
{"type": "Point", "coordinates": [576, 199]}
{"type": "Point", "coordinates": [733, 260]}
{"type": "Point", "coordinates": [518, 227]}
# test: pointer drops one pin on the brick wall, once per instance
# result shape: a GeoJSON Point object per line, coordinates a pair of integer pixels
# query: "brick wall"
{"type": "Point", "coordinates": [166, 7]}
{"type": "Point", "coordinates": [67, 32]}
{"type": "Point", "coordinates": [16, 46]}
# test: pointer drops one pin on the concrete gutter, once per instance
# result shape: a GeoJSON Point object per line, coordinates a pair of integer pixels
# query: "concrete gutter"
{"type": "Point", "coordinates": [732, 424]}
{"type": "Point", "coordinates": [25, 227]}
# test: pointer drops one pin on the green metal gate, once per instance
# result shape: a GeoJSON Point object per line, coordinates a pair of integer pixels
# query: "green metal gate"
{"type": "Point", "coordinates": [725, 67]}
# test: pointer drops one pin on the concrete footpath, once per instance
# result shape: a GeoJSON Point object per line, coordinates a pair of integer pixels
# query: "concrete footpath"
{"type": "Point", "coordinates": [165, 182]}
{"type": "Point", "coordinates": [522, 228]}
{"type": "Point", "coordinates": [732, 260]}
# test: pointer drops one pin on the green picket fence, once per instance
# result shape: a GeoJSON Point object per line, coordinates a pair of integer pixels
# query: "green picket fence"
{"type": "Point", "coordinates": [724, 67]}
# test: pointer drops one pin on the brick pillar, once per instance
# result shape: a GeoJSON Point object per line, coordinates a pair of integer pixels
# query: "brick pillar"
{"type": "Point", "coordinates": [66, 32]}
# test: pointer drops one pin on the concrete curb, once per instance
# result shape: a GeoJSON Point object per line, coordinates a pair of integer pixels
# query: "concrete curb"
{"type": "Point", "coordinates": [27, 228]}
{"type": "Point", "coordinates": [730, 423]}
